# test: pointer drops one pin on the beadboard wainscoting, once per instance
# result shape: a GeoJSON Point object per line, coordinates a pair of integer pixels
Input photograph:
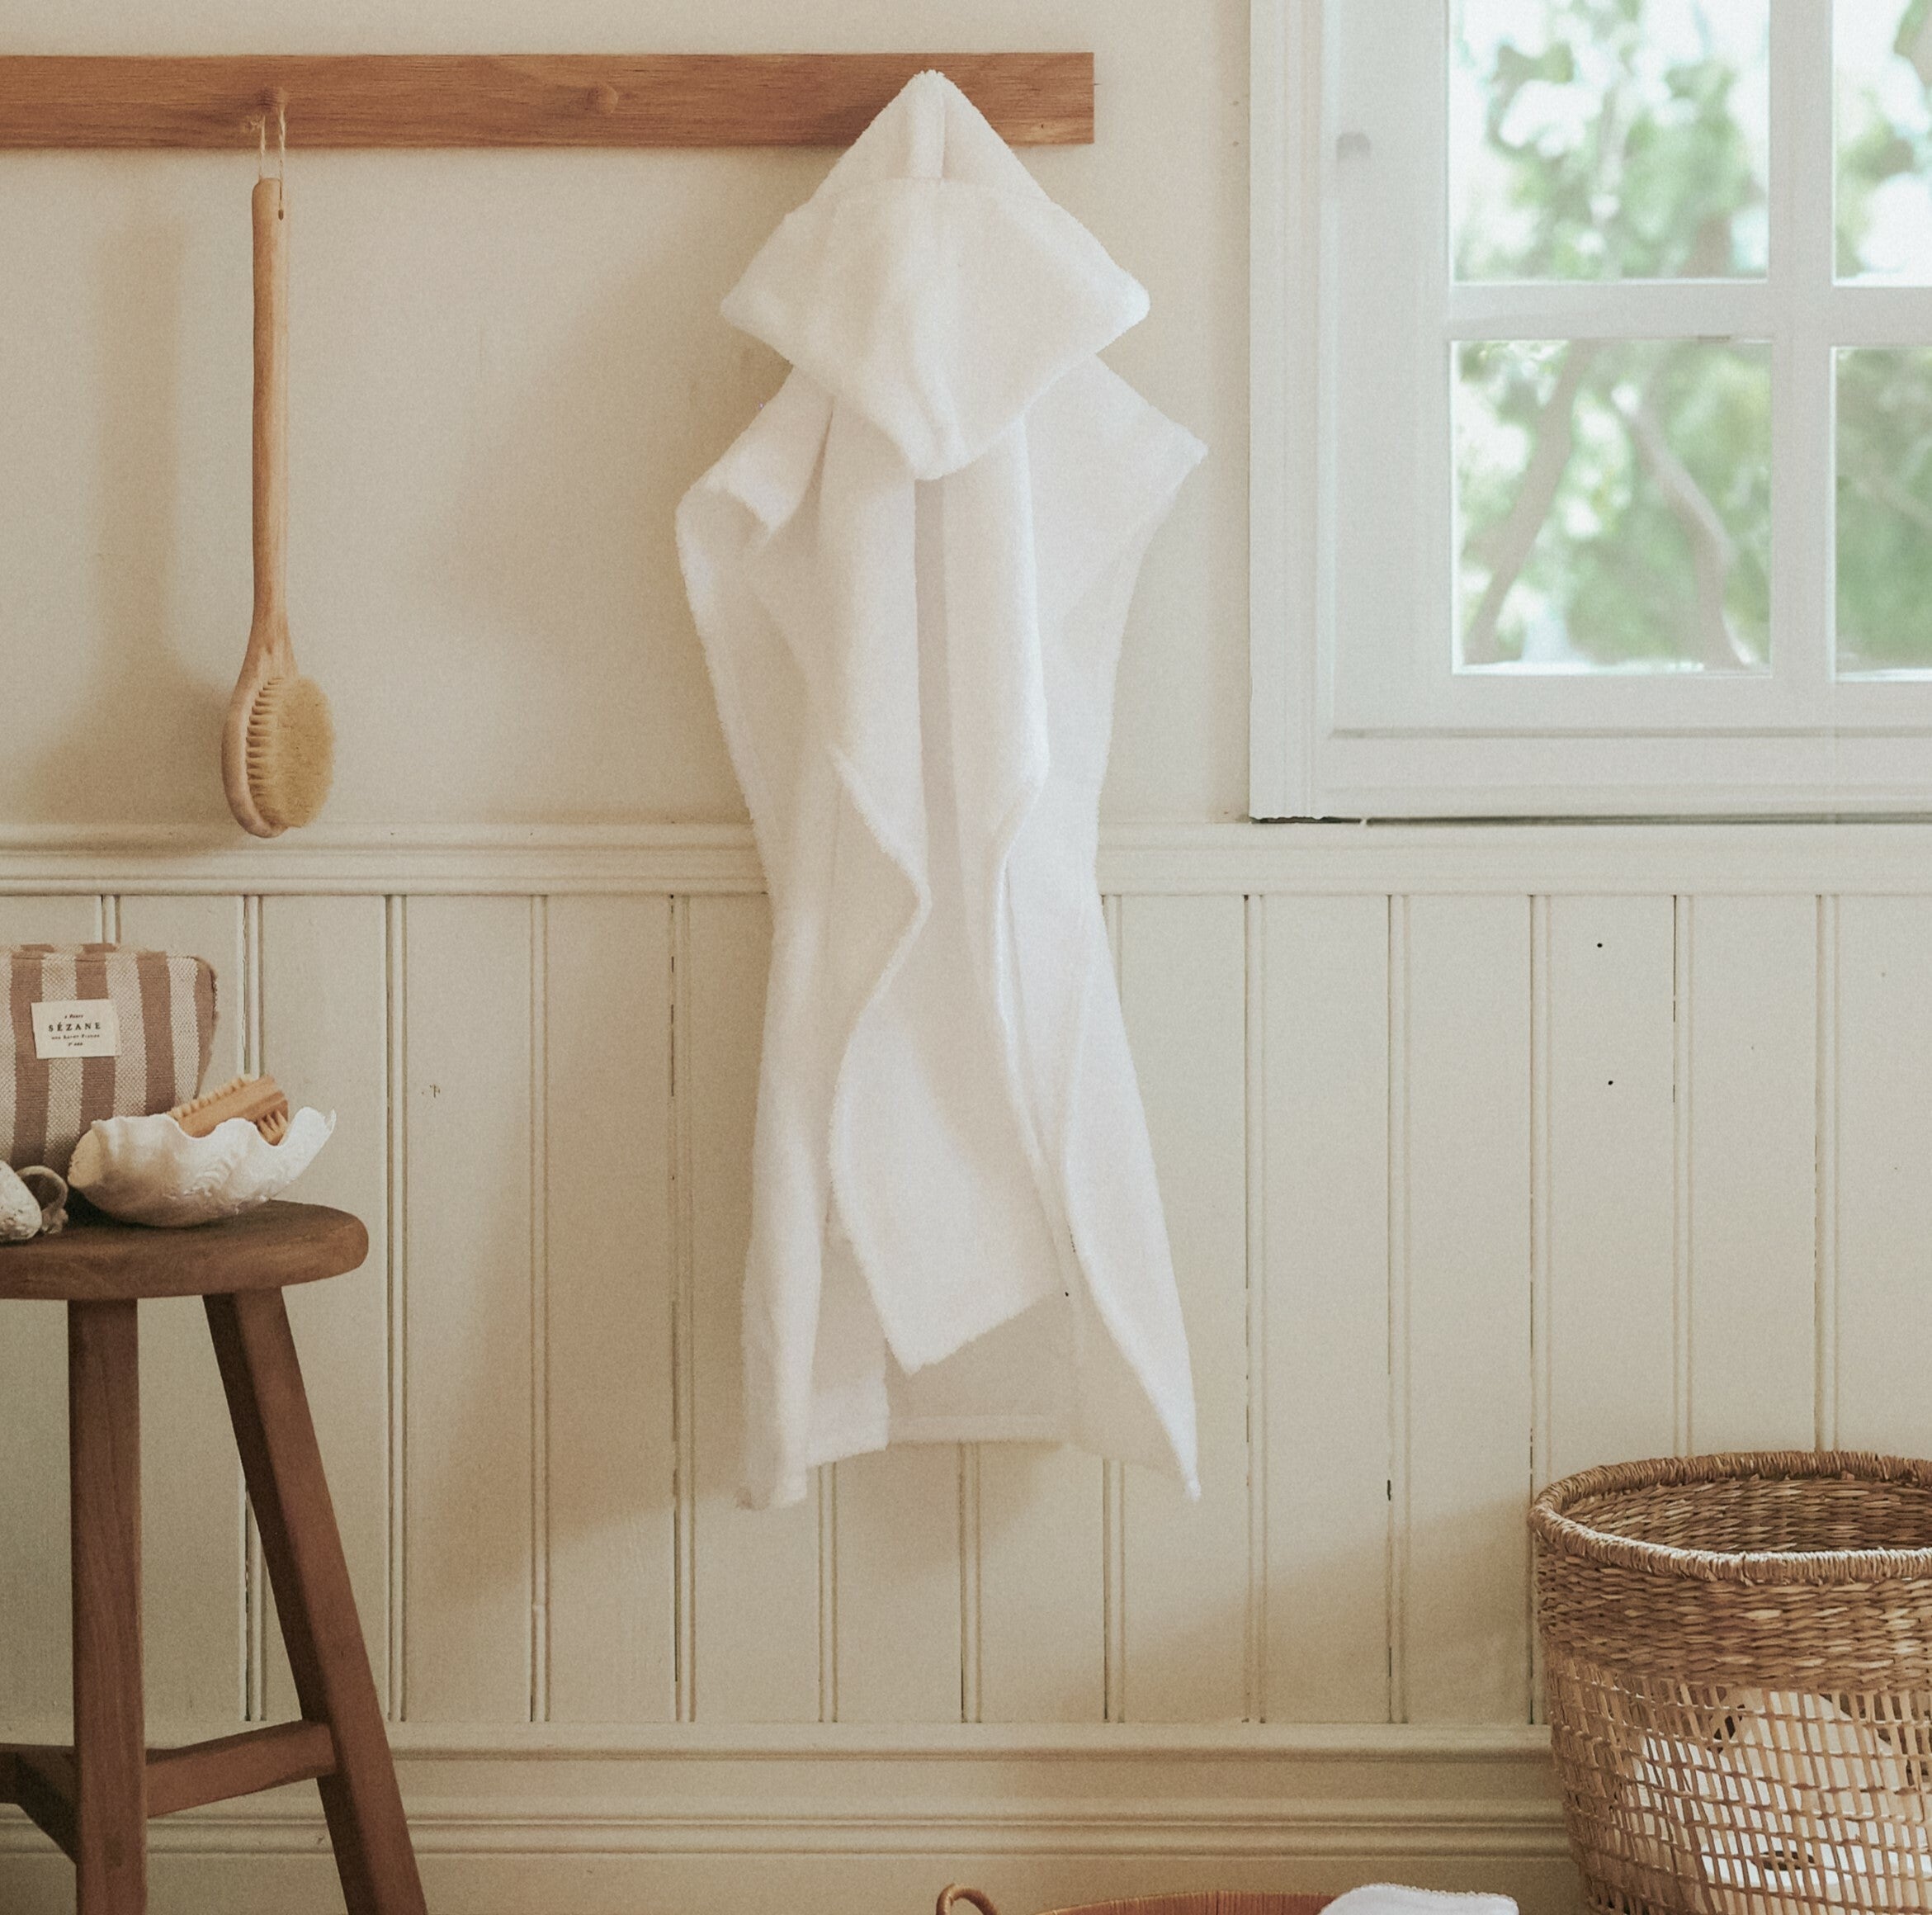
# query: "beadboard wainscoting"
{"type": "Point", "coordinates": [1487, 1153]}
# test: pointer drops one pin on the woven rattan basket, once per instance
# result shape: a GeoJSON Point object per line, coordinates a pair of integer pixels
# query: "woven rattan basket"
{"type": "Point", "coordinates": [1737, 1660]}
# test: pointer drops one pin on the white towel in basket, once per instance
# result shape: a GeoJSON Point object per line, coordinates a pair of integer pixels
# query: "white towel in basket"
{"type": "Point", "coordinates": [1387, 1899]}
{"type": "Point", "coordinates": [1801, 1798]}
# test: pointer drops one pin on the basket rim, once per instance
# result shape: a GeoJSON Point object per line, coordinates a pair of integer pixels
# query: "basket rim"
{"type": "Point", "coordinates": [1557, 1528]}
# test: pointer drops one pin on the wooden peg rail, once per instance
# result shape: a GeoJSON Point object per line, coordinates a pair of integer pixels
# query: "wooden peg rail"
{"type": "Point", "coordinates": [419, 100]}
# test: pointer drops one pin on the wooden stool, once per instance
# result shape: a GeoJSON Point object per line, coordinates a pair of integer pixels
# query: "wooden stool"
{"type": "Point", "coordinates": [96, 1798]}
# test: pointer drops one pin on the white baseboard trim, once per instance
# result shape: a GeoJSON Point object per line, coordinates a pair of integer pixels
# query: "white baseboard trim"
{"type": "Point", "coordinates": [1867, 856]}
{"type": "Point", "coordinates": [1386, 1831]}
{"type": "Point", "coordinates": [581, 1821]}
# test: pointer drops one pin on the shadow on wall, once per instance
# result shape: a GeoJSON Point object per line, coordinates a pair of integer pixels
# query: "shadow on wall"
{"type": "Point", "coordinates": [165, 744]}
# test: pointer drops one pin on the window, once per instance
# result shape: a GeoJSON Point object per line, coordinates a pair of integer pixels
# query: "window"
{"type": "Point", "coordinates": [1594, 341]}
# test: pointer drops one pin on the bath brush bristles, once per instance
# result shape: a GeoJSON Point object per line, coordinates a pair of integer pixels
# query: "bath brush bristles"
{"type": "Point", "coordinates": [291, 751]}
{"type": "Point", "coordinates": [259, 1099]}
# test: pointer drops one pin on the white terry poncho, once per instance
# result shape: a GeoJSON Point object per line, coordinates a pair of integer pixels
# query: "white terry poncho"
{"type": "Point", "coordinates": [910, 575]}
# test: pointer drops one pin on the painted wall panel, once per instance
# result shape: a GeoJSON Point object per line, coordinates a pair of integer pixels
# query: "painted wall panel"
{"type": "Point", "coordinates": [69, 919]}
{"type": "Point", "coordinates": [1412, 1083]}
{"type": "Point", "coordinates": [1462, 1308]}
{"type": "Point", "coordinates": [1188, 1644]}
{"type": "Point", "coordinates": [1752, 1105]}
{"type": "Point", "coordinates": [896, 1522]}
{"type": "Point", "coordinates": [755, 1595]}
{"type": "Point", "coordinates": [34, 1686]}
{"type": "Point", "coordinates": [1040, 1651]}
{"type": "Point", "coordinates": [1323, 1001]}
{"type": "Point", "coordinates": [194, 1601]}
{"type": "Point", "coordinates": [611, 1464]}
{"type": "Point", "coordinates": [1883, 1298]}
{"type": "Point", "coordinates": [1611, 1182]}
{"type": "Point", "coordinates": [467, 1564]}
{"type": "Point", "coordinates": [325, 996]}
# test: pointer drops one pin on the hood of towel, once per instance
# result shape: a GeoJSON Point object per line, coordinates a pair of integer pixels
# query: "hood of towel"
{"type": "Point", "coordinates": [931, 285]}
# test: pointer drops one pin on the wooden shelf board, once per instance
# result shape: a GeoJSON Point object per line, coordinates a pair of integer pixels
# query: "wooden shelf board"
{"type": "Point", "coordinates": [584, 100]}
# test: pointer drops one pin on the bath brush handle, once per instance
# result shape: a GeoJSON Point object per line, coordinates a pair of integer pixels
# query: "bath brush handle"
{"type": "Point", "coordinates": [271, 417]}
{"type": "Point", "coordinates": [269, 655]}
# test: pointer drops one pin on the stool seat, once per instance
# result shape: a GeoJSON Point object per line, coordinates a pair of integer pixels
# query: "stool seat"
{"type": "Point", "coordinates": [95, 1798]}
{"type": "Point", "coordinates": [96, 1260]}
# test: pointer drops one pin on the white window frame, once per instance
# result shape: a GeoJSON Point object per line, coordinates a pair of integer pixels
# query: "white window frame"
{"type": "Point", "coordinates": [1356, 715]}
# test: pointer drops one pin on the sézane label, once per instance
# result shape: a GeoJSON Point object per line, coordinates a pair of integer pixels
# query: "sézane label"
{"type": "Point", "coordinates": [77, 1027]}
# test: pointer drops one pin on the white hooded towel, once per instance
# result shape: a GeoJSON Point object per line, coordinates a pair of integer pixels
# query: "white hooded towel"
{"type": "Point", "coordinates": [910, 574]}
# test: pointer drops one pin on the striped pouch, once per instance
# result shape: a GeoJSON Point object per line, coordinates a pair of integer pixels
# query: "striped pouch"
{"type": "Point", "coordinates": [93, 1031]}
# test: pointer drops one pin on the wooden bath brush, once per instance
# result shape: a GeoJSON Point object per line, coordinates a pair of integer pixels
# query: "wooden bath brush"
{"type": "Point", "coordinates": [278, 746]}
{"type": "Point", "coordinates": [261, 1099]}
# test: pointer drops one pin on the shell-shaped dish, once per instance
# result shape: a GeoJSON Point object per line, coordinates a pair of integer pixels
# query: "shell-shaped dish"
{"type": "Point", "coordinates": [147, 1169]}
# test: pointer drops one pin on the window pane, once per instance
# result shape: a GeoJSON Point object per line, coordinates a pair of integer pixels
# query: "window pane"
{"type": "Point", "coordinates": [1610, 139]}
{"type": "Point", "coordinates": [1885, 511]}
{"type": "Point", "coordinates": [1884, 140]}
{"type": "Point", "coordinates": [1614, 506]}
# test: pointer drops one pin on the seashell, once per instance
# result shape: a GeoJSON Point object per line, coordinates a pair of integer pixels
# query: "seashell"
{"type": "Point", "coordinates": [23, 1215]}
{"type": "Point", "coordinates": [147, 1169]}
{"type": "Point", "coordinates": [20, 1215]}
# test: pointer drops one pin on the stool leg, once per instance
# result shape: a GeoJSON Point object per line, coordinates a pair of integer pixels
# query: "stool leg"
{"type": "Point", "coordinates": [109, 1735]}
{"type": "Point", "coordinates": [299, 1542]}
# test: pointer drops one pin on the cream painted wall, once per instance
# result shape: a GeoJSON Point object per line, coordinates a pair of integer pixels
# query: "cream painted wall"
{"type": "Point", "coordinates": [505, 369]}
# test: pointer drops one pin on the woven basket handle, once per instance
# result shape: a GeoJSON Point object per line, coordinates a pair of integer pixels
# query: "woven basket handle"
{"type": "Point", "coordinates": [951, 1897]}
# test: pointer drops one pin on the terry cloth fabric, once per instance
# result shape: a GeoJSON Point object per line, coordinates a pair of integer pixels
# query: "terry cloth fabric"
{"type": "Point", "coordinates": [1386, 1899]}
{"type": "Point", "coordinates": [910, 574]}
{"type": "Point", "coordinates": [164, 1007]}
